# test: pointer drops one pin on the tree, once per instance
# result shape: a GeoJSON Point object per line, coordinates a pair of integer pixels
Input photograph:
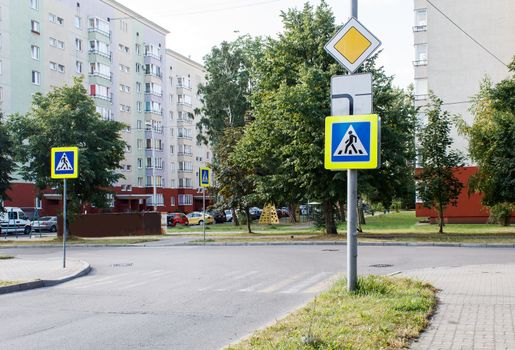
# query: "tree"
{"type": "Point", "coordinates": [437, 185]}
{"type": "Point", "coordinates": [291, 99]}
{"type": "Point", "coordinates": [6, 162]}
{"type": "Point", "coordinates": [225, 96]}
{"type": "Point", "coordinates": [226, 109]}
{"type": "Point", "coordinates": [66, 116]}
{"type": "Point", "coordinates": [492, 146]}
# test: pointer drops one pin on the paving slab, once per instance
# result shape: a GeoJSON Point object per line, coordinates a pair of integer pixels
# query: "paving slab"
{"type": "Point", "coordinates": [476, 308]}
{"type": "Point", "coordinates": [36, 273]}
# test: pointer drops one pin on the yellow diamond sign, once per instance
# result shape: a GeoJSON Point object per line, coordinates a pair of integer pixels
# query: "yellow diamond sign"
{"type": "Point", "coordinates": [352, 45]}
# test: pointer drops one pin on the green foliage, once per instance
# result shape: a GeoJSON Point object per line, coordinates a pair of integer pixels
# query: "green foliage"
{"type": "Point", "coordinates": [492, 145]}
{"type": "Point", "coordinates": [66, 116]}
{"type": "Point", "coordinates": [6, 162]}
{"type": "Point", "coordinates": [225, 96]}
{"type": "Point", "coordinates": [437, 186]}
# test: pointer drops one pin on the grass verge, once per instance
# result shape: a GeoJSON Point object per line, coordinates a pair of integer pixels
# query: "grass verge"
{"type": "Point", "coordinates": [78, 240]}
{"type": "Point", "coordinates": [8, 283]}
{"type": "Point", "coordinates": [384, 313]}
{"type": "Point", "coordinates": [6, 257]}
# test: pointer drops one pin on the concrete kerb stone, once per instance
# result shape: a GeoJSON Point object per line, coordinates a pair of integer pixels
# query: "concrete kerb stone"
{"type": "Point", "coordinates": [86, 268]}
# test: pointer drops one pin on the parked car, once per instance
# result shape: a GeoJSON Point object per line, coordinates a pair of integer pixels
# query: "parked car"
{"type": "Point", "coordinates": [45, 223]}
{"type": "Point", "coordinates": [218, 215]}
{"type": "Point", "coordinates": [255, 213]}
{"type": "Point", "coordinates": [282, 212]}
{"type": "Point", "coordinates": [14, 220]}
{"type": "Point", "coordinates": [228, 215]}
{"type": "Point", "coordinates": [197, 218]}
{"type": "Point", "coordinates": [173, 219]}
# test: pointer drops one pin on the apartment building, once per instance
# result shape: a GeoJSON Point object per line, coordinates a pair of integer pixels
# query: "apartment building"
{"type": "Point", "coordinates": [132, 78]}
{"type": "Point", "coordinates": [450, 63]}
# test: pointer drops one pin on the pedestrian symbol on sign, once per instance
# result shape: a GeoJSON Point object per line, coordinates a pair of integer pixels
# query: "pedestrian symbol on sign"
{"type": "Point", "coordinates": [350, 145]}
{"type": "Point", "coordinates": [205, 177]}
{"type": "Point", "coordinates": [64, 163]}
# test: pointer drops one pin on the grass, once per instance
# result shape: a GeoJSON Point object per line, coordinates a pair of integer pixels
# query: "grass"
{"type": "Point", "coordinates": [230, 228]}
{"type": "Point", "coordinates": [6, 257]}
{"type": "Point", "coordinates": [8, 283]}
{"type": "Point", "coordinates": [384, 313]}
{"type": "Point", "coordinates": [78, 240]}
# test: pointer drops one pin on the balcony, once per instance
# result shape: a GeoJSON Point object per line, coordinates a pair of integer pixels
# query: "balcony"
{"type": "Point", "coordinates": [422, 97]}
{"type": "Point", "coordinates": [154, 93]}
{"type": "Point", "coordinates": [185, 154]}
{"type": "Point", "coordinates": [152, 55]}
{"type": "Point", "coordinates": [101, 53]}
{"type": "Point", "coordinates": [104, 76]}
{"type": "Point", "coordinates": [102, 97]}
{"type": "Point", "coordinates": [98, 30]}
{"type": "Point", "coordinates": [154, 112]}
{"type": "Point", "coordinates": [421, 28]}
{"type": "Point", "coordinates": [418, 63]}
{"type": "Point", "coordinates": [153, 74]}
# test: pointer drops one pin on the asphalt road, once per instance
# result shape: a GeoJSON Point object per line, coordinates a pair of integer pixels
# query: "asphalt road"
{"type": "Point", "coordinates": [192, 297]}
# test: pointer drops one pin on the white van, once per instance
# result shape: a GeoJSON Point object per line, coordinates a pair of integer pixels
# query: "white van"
{"type": "Point", "coordinates": [14, 220]}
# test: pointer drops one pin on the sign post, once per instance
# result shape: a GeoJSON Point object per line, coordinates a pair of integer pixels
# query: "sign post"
{"type": "Point", "coordinates": [64, 165]}
{"type": "Point", "coordinates": [204, 181]}
{"type": "Point", "coordinates": [352, 141]}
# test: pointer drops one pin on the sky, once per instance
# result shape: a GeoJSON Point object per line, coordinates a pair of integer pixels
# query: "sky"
{"type": "Point", "coordinates": [197, 25]}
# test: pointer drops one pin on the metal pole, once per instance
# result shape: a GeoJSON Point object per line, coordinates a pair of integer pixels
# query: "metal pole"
{"type": "Point", "coordinates": [352, 198]}
{"type": "Point", "coordinates": [153, 145]}
{"type": "Point", "coordinates": [352, 238]}
{"type": "Point", "coordinates": [204, 212]}
{"type": "Point", "coordinates": [64, 225]}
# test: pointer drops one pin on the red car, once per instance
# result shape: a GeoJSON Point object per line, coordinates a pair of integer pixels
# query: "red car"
{"type": "Point", "coordinates": [173, 219]}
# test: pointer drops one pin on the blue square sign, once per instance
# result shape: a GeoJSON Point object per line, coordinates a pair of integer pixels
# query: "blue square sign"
{"type": "Point", "coordinates": [64, 163]}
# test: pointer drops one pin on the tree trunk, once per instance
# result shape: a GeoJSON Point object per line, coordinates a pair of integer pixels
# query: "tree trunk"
{"type": "Point", "coordinates": [341, 207]}
{"type": "Point", "coordinates": [330, 224]}
{"type": "Point", "coordinates": [249, 219]}
{"type": "Point", "coordinates": [292, 209]}
{"type": "Point", "coordinates": [235, 220]}
{"type": "Point", "coordinates": [506, 220]}
{"type": "Point", "coordinates": [440, 212]}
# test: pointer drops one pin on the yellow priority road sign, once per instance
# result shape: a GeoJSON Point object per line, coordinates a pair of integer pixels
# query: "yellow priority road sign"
{"type": "Point", "coordinates": [352, 142]}
{"type": "Point", "coordinates": [352, 45]}
{"type": "Point", "coordinates": [64, 163]}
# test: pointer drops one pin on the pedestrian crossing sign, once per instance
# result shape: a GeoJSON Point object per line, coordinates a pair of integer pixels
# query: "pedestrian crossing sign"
{"type": "Point", "coordinates": [64, 163]}
{"type": "Point", "coordinates": [205, 177]}
{"type": "Point", "coordinates": [352, 142]}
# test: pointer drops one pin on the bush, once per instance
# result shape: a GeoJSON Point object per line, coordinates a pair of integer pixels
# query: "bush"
{"type": "Point", "coordinates": [501, 213]}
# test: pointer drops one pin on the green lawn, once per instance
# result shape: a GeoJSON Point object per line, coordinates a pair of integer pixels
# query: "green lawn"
{"type": "Point", "coordinates": [385, 313]}
{"type": "Point", "coordinates": [78, 240]}
{"type": "Point", "coordinates": [282, 228]}
{"type": "Point", "coordinates": [406, 222]}
{"type": "Point", "coordinates": [8, 283]}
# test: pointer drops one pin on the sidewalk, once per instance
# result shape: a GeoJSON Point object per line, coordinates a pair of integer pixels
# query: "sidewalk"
{"type": "Point", "coordinates": [476, 308]}
{"type": "Point", "coordinates": [32, 274]}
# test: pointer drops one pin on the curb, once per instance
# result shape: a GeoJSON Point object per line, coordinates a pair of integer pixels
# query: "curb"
{"type": "Point", "coordinates": [45, 283]}
{"type": "Point", "coordinates": [285, 243]}
{"type": "Point", "coordinates": [364, 244]}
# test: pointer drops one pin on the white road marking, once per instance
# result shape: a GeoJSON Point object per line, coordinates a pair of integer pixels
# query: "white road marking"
{"type": "Point", "coordinates": [282, 283]}
{"type": "Point", "coordinates": [305, 283]}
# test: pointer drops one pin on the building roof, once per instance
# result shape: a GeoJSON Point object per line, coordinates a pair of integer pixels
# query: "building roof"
{"type": "Point", "coordinates": [185, 59]}
{"type": "Point", "coordinates": [132, 14]}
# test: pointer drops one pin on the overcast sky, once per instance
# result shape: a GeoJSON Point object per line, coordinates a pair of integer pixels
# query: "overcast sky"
{"type": "Point", "coordinates": [198, 25]}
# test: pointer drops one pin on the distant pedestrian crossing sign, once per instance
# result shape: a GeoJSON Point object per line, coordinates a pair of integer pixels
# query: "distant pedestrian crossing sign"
{"type": "Point", "coordinates": [65, 163]}
{"type": "Point", "coordinates": [205, 177]}
{"type": "Point", "coordinates": [352, 142]}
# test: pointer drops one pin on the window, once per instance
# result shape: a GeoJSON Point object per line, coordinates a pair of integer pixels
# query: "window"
{"type": "Point", "coordinates": [1, 94]}
{"type": "Point", "coordinates": [185, 199]}
{"type": "Point", "coordinates": [171, 114]}
{"type": "Point", "coordinates": [99, 25]}
{"type": "Point", "coordinates": [125, 108]}
{"type": "Point", "coordinates": [159, 199]}
{"type": "Point", "coordinates": [138, 87]}
{"type": "Point", "coordinates": [128, 148]}
{"type": "Point", "coordinates": [34, 26]}
{"type": "Point", "coordinates": [140, 144]}
{"type": "Point", "coordinates": [56, 43]}
{"type": "Point", "coordinates": [105, 113]}
{"type": "Point", "coordinates": [100, 69]}
{"type": "Point", "coordinates": [421, 89]}
{"type": "Point", "coordinates": [138, 107]}
{"type": "Point", "coordinates": [420, 55]}
{"type": "Point", "coordinates": [35, 52]}
{"type": "Point", "coordinates": [100, 47]}
{"type": "Point", "coordinates": [140, 163]}
{"type": "Point", "coordinates": [34, 4]}
{"type": "Point", "coordinates": [78, 44]}
{"type": "Point", "coordinates": [78, 67]}
{"type": "Point", "coordinates": [140, 182]}
{"type": "Point", "coordinates": [124, 68]}
{"type": "Point", "coordinates": [123, 48]}
{"type": "Point", "coordinates": [60, 68]}
{"type": "Point", "coordinates": [55, 19]}
{"type": "Point", "coordinates": [149, 162]}
{"type": "Point", "coordinates": [36, 77]}
{"type": "Point", "coordinates": [139, 125]}
{"type": "Point", "coordinates": [78, 22]}
{"type": "Point", "coordinates": [172, 201]}
{"type": "Point", "coordinates": [186, 166]}
{"type": "Point", "coordinates": [184, 99]}
{"type": "Point", "coordinates": [53, 66]}
{"type": "Point", "coordinates": [153, 51]}
{"type": "Point", "coordinates": [138, 49]}
{"type": "Point", "coordinates": [128, 168]}
{"type": "Point", "coordinates": [420, 20]}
